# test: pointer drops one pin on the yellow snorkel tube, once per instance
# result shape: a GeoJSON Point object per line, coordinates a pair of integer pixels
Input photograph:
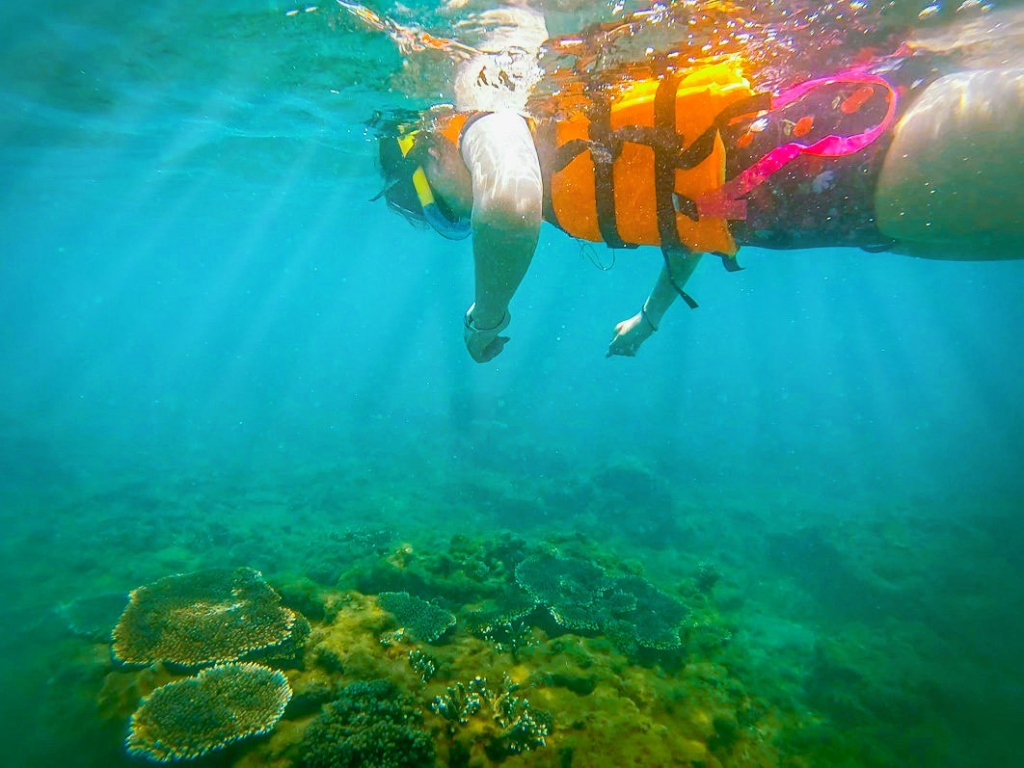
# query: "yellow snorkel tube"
{"type": "Point", "coordinates": [436, 216]}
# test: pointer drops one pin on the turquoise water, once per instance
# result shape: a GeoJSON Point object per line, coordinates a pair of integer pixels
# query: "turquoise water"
{"type": "Point", "coordinates": [217, 352]}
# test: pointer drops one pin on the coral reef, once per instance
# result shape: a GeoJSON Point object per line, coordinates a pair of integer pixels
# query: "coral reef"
{"type": "Point", "coordinates": [555, 653]}
{"type": "Point", "coordinates": [363, 539]}
{"type": "Point", "coordinates": [459, 702]}
{"type": "Point", "coordinates": [520, 727]}
{"type": "Point", "coordinates": [706, 577]}
{"type": "Point", "coordinates": [653, 618]}
{"type": "Point", "coordinates": [423, 664]}
{"type": "Point", "coordinates": [580, 596]}
{"type": "Point", "coordinates": [369, 724]}
{"type": "Point", "coordinates": [350, 645]}
{"type": "Point", "coordinates": [808, 645]}
{"type": "Point", "coordinates": [470, 571]}
{"type": "Point", "coordinates": [568, 587]}
{"type": "Point", "coordinates": [209, 616]}
{"type": "Point", "coordinates": [189, 718]}
{"type": "Point", "coordinates": [424, 620]}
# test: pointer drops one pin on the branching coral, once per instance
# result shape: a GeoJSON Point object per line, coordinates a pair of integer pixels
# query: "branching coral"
{"type": "Point", "coordinates": [459, 702]}
{"type": "Point", "coordinates": [422, 664]}
{"type": "Point", "coordinates": [508, 637]}
{"type": "Point", "coordinates": [520, 727]}
{"type": "Point", "coordinates": [370, 724]}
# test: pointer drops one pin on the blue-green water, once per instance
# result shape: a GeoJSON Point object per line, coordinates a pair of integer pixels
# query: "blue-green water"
{"type": "Point", "coordinates": [217, 351]}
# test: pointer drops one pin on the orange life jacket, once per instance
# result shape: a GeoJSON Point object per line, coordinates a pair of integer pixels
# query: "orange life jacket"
{"type": "Point", "coordinates": [629, 171]}
{"type": "Point", "coordinates": [627, 168]}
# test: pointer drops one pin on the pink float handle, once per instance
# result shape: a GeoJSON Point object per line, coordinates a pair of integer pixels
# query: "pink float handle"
{"type": "Point", "coordinates": [725, 201]}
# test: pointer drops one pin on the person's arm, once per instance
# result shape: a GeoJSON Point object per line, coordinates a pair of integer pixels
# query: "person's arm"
{"type": "Point", "coordinates": [631, 333]}
{"type": "Point", "coordinates": [507, 198]}
{"type": "Point", "coordinates": [502, 251]}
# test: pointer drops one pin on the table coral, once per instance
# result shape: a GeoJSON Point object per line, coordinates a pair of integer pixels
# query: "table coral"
{"type": "Point", "coordinates": [424, 620]}
{"type": "Point", "coordinates": [580, 596]}
{"type": "Point", "coordinates": [190, 718]}
{"type": "Point", "coordinates": [655, 617]}
{"type": "Point", "coordinates": [568, 586]}
{"type": "Point", "coordinates": [209, 616]}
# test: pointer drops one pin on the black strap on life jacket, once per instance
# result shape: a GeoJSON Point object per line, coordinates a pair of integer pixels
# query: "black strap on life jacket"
{"type": "Point", "coordinates": [670, 154]}
{"type": "Point", "coordinates": [666, 156]}
{"type": "Point", "coordinates": [605, 148]}
{"type": "Point", "coordinates": [667, 153]}
{"type": "Point", "coordinates": [545, 138]}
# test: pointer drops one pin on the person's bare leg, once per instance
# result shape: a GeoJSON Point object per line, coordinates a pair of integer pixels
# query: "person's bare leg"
{"type": "Point", "coordinates": [499, 152]}
{"type": "Point", "coordinates": [507, 198]}
{"type": "Point", "coordinates": [950, 186]}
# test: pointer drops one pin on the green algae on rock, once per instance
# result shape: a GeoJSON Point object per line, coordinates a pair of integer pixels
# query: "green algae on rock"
{"type": "Point", "coordinates": [190, 718]}
{"type": "Point", "coordinates": [209, 616]}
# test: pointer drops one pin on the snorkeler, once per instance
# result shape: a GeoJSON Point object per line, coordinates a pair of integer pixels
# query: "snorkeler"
{"type": "Point", "coordinates": [901, 157]}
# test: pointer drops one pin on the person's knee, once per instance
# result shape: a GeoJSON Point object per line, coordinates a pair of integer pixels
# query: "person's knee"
{"type": "Point", "coordinates": [502, 159]}
{"type": "Point", "coordinates": [509, 203]}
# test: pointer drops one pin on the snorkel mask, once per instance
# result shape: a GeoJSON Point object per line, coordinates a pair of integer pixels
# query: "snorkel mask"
{"type": "Point", "coordinates": [408, 191]}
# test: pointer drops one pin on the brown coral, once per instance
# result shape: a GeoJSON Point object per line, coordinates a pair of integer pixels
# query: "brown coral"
{"type": "Point", "coordinates": [189, 718]}
{"type": "Point", "coordinates": [209, 616]}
